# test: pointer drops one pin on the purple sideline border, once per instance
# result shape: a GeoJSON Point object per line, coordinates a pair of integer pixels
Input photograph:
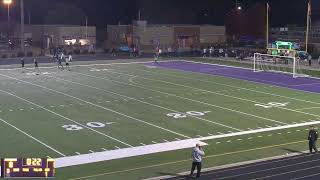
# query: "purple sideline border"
{"type": "Point", "coordinates": [282, 80]}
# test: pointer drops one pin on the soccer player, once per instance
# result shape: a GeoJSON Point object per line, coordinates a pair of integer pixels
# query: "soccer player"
{"type": "Point", "coordinates": [22, 65]}
{"type": "Point", "coordinates": [36, 66]}
{"type": "Point", "coordinates": [313, 137]}
{"type": "Point", "coordinates": [68, 60]}
{"type": "Point", "coordinates": [60, 58]}
{"type": "Point", "coordinates": [156, 56]}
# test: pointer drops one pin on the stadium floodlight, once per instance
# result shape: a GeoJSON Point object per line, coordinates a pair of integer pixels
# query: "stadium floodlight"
{"type": "Point", "coordinates": [7, 2]}
{"type": "Point", "coordinates": [239, 8]}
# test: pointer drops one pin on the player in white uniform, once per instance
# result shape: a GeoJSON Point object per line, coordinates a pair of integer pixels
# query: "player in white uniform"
{"type": "Point", "coordinates": [68, 60]}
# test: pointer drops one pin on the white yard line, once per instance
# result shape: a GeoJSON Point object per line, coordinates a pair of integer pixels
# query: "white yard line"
{"type": "Point", "coordinates": [174, 95]}
{"type": "Point", "coordinates": [102, 107]}
{"type": "Point", "coordinates": [66, 118]}
{"type": "Point", "coordinates": [307, 108]}
{"type": "Point", "coordinates": [144, 102]}
{"type": "Point", "coordinates": [30, 136]}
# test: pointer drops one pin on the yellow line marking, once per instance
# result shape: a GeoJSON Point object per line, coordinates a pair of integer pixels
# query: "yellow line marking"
{"type": "Point", "coordinates": [186, 160]}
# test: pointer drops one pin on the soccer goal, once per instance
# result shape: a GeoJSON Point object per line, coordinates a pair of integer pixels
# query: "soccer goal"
{"type": "Point", "coordinates": [278, 64]}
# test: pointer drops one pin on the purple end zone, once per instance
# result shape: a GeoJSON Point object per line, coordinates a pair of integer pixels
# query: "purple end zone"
{"type": "Point", "coordinates": [282, 80]}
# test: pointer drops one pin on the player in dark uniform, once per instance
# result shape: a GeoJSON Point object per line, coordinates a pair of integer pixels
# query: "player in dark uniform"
{"type": "Point", "coordinates": [312, 137]}
{"type": "Point", "coordinates": [36, 66]}
{"type": "Point", "coordinates": [22, 65]}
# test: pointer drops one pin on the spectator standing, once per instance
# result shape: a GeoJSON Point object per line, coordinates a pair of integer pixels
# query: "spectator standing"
{"type": "Point", "coordinates": [309, 59]}
{"type": "Point", "coordinates": [197, 154]}
{"type": "Point", "coordinates": [313, 137]}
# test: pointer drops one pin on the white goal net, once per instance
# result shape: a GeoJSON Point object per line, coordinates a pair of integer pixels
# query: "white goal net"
{"type": "Point", "coordinates": [279, 64]}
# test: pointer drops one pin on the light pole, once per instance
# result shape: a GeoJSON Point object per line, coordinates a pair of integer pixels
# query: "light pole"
{"type": "Point", "coordinates": [8, 3]}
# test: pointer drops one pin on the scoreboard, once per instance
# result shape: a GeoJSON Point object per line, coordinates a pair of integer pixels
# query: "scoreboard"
{"type": "Point", "coordinates": [27, 167]}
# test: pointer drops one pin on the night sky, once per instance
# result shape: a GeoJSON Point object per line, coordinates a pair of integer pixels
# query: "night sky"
{"type": "Point", "coordinates": [103, 12]}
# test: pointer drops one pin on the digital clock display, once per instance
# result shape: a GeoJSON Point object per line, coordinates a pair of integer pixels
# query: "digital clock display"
{"type": "Point", "coordinates": [27, 167]}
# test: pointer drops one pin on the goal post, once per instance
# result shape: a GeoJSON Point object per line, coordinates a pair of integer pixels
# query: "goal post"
{"type": "Point", "coordinates": [278, 64]}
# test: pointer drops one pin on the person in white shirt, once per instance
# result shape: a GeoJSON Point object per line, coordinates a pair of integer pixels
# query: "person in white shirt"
{"type": "Point", "coordinates": [197, 154]}
{"type": "Point", "coordinates": [68, 60]}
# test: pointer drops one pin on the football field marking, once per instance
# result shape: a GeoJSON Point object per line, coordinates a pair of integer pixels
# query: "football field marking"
{"type": "Point", "coordinates": [186, 160]}
{"type": "Point", "coordinates": [164, 147]}
{"type": "Point", "coordinates": [85, 65]}
{"type": "Point", "coordinates": [96, 105]}
{"type": "Point", "coordinates": [174, 95]}
{"type": "Point", "coordinates": [125, 153]}
{"type": "Point", "coordinates": [30, 136]}
{"type": "Point", "coordinates": [228, 85]}
{"type": "Point", "coordinates": [158, 106]}
{"type": "Point", "coordinates": [307, 108]}
{"type": "Point", "coordinates": [221, 94]}
{"type": "Point", "coordinates": [66, 118]}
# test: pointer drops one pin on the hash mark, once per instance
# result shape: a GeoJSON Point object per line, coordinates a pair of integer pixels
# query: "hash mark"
{"type": "Point", "coordinates": [78, 153]}
{"type": "Point", "coordinates": [154, 142]}
{"type": "Point", "coordinates": [91, 151]}
{"type": "Point", "coordinates": [104, 149]}
{"type": "Point", "coordinates": [165, 140]}
{"type": "Point", "coordinates": [117, 147]}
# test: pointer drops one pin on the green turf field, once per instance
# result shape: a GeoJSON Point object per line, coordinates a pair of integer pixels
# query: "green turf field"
{"type": "Point", "coordinates": [96, 108]}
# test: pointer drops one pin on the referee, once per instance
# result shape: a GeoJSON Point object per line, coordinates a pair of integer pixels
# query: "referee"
{"type": "Point", "coordinates": [312, 137]}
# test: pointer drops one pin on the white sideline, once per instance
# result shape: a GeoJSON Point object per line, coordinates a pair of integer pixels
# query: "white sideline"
{"type": "Point", "coordinates": [124, 153]}
{"type": "Point", "coordinates": [258, 131]}
{"type": "Point", "coordinates": [157, 148]}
